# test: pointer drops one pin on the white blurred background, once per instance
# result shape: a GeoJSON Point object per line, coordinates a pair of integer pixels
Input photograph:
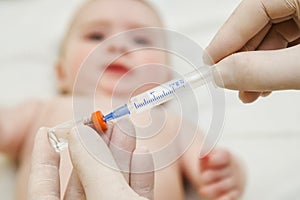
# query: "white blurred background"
{"type": "Point", "coordinates": [265, 134]}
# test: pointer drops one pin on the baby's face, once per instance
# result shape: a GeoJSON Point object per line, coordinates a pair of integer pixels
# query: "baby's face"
{"type": "Point", "coordinates": [97, 21]}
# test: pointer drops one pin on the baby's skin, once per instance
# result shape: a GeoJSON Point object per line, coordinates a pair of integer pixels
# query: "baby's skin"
{"type": "Point", "coordinates": [217, 176]}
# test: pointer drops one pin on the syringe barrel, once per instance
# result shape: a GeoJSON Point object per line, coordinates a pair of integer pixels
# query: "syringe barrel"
{"type": "Point", "coordinates": [167, 91]}
{"type": "Point", "coordinates": [199, 77]}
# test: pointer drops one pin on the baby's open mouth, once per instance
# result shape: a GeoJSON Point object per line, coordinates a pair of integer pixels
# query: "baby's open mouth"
{"type": "Point", "coordinates": [117, 68]}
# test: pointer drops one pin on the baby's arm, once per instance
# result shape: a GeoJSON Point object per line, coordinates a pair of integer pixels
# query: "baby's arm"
{"type": "Point", "coordinates": [218, 176]}
{"type": "Point", "coordinates": [14, 124]}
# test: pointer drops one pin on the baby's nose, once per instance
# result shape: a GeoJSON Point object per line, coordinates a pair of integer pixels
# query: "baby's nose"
{"type": "Point", "coordinates": [118, 46]}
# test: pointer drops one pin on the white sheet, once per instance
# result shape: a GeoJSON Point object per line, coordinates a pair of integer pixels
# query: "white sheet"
{"type": "Point", "coordinates": [266, 134]}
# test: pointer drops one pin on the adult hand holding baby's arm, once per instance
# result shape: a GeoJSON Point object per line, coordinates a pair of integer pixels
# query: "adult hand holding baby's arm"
{"type": "Point", "coordinates": [237, 48]}
{"type": "Point", "coordinates": [90, 179]}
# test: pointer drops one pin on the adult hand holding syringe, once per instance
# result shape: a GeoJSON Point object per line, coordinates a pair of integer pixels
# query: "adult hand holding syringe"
{"type": "Point", "coordinates": [257, 49]}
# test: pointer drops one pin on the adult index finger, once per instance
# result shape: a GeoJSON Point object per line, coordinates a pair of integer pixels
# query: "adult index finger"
{"type": "Point", "coordinates": [248, 19]}
{"type": "Point", "coordinates": [261, 70]}
{"type": "Point", "coordinates": [96, 167]}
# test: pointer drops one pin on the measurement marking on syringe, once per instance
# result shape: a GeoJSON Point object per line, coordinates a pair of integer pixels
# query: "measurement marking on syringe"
{"type": "Point", "coordinates": [161, 94]}
{"type": "Point", "coordinates": [165, 92]}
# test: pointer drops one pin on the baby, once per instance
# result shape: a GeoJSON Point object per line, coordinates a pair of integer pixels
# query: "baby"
{"type": "Point", "coordinates": [218, 176]}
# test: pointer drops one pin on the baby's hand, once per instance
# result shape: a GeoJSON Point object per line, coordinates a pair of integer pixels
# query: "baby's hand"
{"type": "Point", "coordinates": [222, 177]}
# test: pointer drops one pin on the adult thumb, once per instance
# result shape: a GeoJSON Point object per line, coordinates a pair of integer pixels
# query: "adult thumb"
{"type": "Point", "coordinates": [260, 70]}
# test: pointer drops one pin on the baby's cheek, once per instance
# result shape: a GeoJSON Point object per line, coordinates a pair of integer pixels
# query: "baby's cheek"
{"type": "Point", "coordinates": [151, 56]}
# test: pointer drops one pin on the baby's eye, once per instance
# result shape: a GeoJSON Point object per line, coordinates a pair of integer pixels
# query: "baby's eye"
{"type": "Point", "coordinates": [95, 36]}
{"type": "Point", "coordinates": [142, 41]}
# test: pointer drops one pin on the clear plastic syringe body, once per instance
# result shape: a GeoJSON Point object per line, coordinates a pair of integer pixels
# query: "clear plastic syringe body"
{"type": "Point", "coordinates": [163, 92]}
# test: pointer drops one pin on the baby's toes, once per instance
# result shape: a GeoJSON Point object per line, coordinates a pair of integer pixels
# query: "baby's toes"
{"type": "Point", "coordinates": [217, 189]}
{"type": "Point", "coordinates": [232, 195]}
{"type": "Point", "coordinates": [216, 159]}
{"type": "Point", "coordinates": [213, 175]}
{"type": "Point", "coordinates": [219, 158]}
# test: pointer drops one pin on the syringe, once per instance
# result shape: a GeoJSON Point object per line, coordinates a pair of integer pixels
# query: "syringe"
{"type": "Point", "coordinates": [163, 93]}
{"type": "Point", "coordinates": [139, 103]}
{"type": "Point", "coordinates": [58, 134]}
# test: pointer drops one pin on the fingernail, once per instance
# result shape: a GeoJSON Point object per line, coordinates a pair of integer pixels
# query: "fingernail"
{"type": "Point", "coordinates": [217, 76]}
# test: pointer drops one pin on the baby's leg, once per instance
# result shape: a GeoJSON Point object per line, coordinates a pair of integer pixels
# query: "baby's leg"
{"type": "Point", "coordinates": [222, 176]}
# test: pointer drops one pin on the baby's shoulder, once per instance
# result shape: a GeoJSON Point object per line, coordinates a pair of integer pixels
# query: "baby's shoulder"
{"type": "Point", "coordinates": [51, 111]}
{"type": "Point", "coordinates": [33, 107]}
{"type": "Point", "coordinates": [57, 101]}
{"type": "Point", "coordinates": [55, 106]}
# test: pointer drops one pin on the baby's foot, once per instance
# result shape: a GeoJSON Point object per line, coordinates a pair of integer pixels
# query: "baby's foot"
{"type": "Point", "coordinates": [222, 176]}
